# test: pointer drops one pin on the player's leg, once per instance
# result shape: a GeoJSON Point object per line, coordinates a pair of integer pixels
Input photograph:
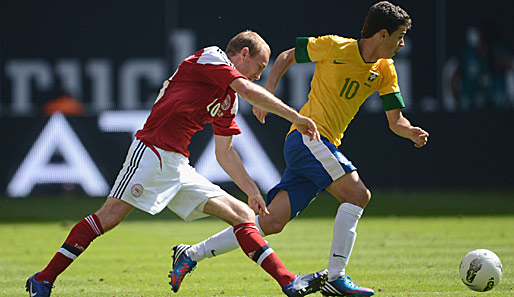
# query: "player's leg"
{"type": "Point", "coordinates": [226, 241]}
{"type": "Point", "coordinates": [218, 244]}
{"type": "Point", "coordinates": [239, 215]}
{"type": "Point", "coordinates": [283, 206]}
{"type": "Point", "coordinates": [113, 212]}
{"type": "Point", "coordinates": [327, 168]}
{"type": "Point", "coordinates": [279, 214]}
{"type": "Point", "coordinates": [353, 195]}
{"type": "Point", "coordinates": [242, 218]}
{"type": "Point", "coordinates": [136, 174]}
{"type": "Point", "coordinates": [186, 257]}
{"type": "Point", "coordinates": [80, 237]}
{"type": "Point", "coordinates": [229, 209]}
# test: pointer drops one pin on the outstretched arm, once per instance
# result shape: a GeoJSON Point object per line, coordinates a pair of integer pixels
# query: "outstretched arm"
{"type": "Point", "coordinates": [284, 60]}
{"type": "Point", "coordinates": [260, 97]}
{"type": "Point", "coordinates": [402, 127]}
{"type": "Point", "coordinates": [230, 161]}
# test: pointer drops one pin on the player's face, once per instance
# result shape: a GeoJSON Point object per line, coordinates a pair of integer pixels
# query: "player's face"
{"type": "Point", "coordinates": [394, 42]}
{"type": "Point", "coordinates": [252, 67]}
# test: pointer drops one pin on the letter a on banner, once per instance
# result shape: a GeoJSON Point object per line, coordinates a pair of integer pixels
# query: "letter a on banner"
{"type": "Point", "coordinates": [78, 168]}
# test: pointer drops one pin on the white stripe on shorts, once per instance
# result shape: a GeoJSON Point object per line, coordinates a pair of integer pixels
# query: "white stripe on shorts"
{"type": "Point", "coordinates": [131, 170]}
{"type": "Point", "coordinates": [325, 157]}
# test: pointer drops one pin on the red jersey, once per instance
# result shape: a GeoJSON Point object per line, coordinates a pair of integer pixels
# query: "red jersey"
{"type": "Point", "coordinates": [198, 93]}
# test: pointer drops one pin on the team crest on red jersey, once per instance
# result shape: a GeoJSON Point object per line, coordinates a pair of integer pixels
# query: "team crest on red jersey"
{"type": "Point", "coordinates": [226, 104]}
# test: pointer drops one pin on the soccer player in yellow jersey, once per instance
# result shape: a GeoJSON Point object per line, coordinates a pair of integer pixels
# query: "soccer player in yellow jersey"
{"type": "Point", "coordinates": [347, 72]}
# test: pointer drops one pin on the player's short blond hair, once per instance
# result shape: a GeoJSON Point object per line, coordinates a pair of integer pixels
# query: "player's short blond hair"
{"type": "Point", "coordinates": [249, 39]}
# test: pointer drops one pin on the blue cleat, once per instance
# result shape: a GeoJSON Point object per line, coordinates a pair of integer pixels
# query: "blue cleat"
{"type": "Point", "coordinates": [38, 289]}
{"type": "Point", "coordinates": [344, 286]}
{"type": "Point", "coordinates": [182, 265]}
{"type": "Point", "coordinates": [304, 284]}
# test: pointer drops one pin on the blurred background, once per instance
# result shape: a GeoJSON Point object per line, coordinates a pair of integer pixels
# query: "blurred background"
{"type": "Point", "coordinates": [78, 78]}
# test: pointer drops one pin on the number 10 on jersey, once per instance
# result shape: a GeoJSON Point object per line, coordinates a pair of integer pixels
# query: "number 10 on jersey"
{"type": "Point", "coordinates": [349, 89]}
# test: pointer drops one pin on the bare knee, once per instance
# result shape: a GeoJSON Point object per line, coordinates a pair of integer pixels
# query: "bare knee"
{"type": "Point", "coordinates": [362, 197]}
{"type": "Point", "coordinates": [239, 215]}
{"type": "Point", "coordinates": [230, 210]}
{"type": "Point", "coordinates": [244, 214]}
{"type": "Point", "coordinates": [271, 224]}
{"type": "Point", "coordinates": [358, 196]}
{"type": "Point", "coordinates": [350, 188]}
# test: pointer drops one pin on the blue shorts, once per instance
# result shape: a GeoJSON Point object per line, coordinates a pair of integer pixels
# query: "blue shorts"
{"type": "Point", "coordinates": [311, 166]}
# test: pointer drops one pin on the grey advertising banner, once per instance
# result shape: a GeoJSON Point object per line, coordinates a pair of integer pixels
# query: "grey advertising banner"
{"type": "Point", "coordinates": [61, 154]}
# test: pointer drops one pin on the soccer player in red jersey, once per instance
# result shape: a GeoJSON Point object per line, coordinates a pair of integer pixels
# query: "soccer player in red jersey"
{"type": "Point", "coordinates": [156, 173]}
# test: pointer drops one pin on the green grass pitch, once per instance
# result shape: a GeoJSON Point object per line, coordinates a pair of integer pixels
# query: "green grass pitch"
{"type": "Point", "coordinates": [413, 250]}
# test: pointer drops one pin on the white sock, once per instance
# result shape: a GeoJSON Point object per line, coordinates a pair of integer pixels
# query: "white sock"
{"type": "Point", "coordinates": [345, 225]}
{"type": "Point", "coordinates": [220, 243]}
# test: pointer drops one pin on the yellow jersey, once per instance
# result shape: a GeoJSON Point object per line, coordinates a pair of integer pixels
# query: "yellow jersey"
{"type": "Point", "coordinates": [342, 82]}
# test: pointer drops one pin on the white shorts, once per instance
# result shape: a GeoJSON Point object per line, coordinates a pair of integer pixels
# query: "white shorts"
{"type": "Point", "coordinates": [151, 184]}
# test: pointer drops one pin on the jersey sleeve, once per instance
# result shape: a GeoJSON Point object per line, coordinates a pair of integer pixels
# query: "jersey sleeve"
{"type": "Point", "coordinates": [225, 126]}
{"type": "Point", "coordinates": [311, 49]}
{"type": "Point", "coordinates": [389, 90]}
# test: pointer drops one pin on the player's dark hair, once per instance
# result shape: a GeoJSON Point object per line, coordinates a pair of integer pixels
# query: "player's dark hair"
{"type": "Point", "coordinates": [384, 15]}
{"type": "Point", "coordinates": [248, 39]}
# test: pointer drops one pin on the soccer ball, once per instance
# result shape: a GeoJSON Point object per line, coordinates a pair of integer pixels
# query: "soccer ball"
{"type": "Point", "coordinates": [481, 270]}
